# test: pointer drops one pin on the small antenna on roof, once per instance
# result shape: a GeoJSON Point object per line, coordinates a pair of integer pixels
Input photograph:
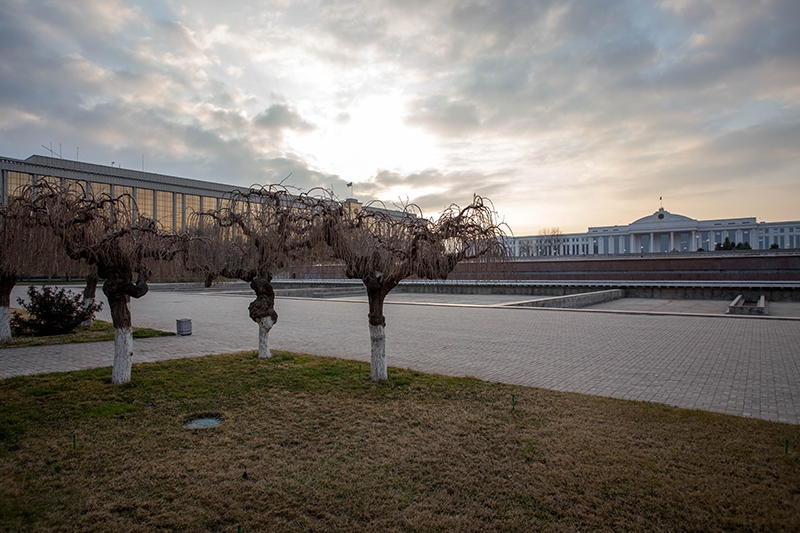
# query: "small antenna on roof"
{"type": "Point", "coordinates": [52, 152]}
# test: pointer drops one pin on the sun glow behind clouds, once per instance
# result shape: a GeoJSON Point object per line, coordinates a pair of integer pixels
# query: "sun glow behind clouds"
{"type": "Point", "coordinates": [374, 137]}
{"type": "Point", "coordinates": [566, 115]}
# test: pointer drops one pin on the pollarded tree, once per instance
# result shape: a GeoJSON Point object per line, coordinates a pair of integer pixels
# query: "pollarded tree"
{"type": "Point", "coordinates": [103, 232]}
{"type": "Point", "coordinates": [382, 248]}
{"type": "Point", "coordinates": [12, 259]}
{"type": "Point", "coordinates": [376, 248]}
{"type": "Point", "coordinates": [26, 248]}
{"type": "Point", "coordinates": [253, 235]}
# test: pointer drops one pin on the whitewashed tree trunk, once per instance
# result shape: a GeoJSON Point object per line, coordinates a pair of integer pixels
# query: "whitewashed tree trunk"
{"type": "Point", "coordinates": [87, 303]}
{"type": "Point", "coordinates": [5, 324]}
{"type": "Point", "coordinates": [123, 355]}
{"type": "Point", "coordinates": [262, 312]}
{"type": "Point", "coordinates": [7, 282]}
{"type": "Point", "coordinates": [377, 366]}
{"type": "Point", "coordinates": [119, 290]}
{"type": "Point", "coordinates": [264, 325]}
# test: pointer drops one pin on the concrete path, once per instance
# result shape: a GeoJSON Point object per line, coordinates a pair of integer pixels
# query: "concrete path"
{"type": "Point", "coordinates": [736, 365]}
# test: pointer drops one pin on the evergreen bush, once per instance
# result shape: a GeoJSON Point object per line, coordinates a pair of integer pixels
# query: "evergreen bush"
{"type": "Point", "coordinates": [52, 312]}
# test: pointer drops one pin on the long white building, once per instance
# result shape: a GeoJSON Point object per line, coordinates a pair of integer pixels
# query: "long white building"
{"type": "Point", "coordinates": [661, 232]}
{"type": "Point", "coordinates": [171, 200]}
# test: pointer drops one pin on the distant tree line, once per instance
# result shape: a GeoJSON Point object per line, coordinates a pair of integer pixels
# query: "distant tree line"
{"type": "Point", "coordinates": [255, 234]}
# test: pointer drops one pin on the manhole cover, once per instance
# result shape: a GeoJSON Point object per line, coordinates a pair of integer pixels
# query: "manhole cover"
{"type": "Point", "coordinates": [203, 421]}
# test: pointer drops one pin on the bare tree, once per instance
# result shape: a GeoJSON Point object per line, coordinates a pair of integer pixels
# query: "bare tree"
{"type": "Point", "coordinates": [102, 232]}
{"type": "Point", "coordinates": [26, 248]}
{"type": "Point", "coordinates": [549, 241]}
{"type": "Point", "coordinates": [11, 260]}
{"type": "Point", "coordinates": [253, 235]}
{"type": "Point", "coordinates": [376, 248]}
{"type": "Point", "coordinates": [382, 248]}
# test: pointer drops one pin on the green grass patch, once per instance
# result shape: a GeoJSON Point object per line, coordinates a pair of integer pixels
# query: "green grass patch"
{"type": "Point", "coordinates": [109, 410]}
{"type": "Point", "coordinates": [100, 330]}
{"type": "Point", "coordinates": [308, 443]}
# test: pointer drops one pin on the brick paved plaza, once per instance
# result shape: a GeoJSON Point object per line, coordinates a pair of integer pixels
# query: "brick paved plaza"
{"type": "Point", "coordinates": [741, 366]}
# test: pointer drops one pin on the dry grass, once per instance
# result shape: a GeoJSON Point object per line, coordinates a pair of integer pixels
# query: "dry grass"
{"type": "Point", "coordinates": [100, 330]}
{"type": "Point", "coordinates": [324, 449]}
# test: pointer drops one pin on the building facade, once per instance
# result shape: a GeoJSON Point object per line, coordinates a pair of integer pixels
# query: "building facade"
{"type": "Point", "coordinates": [172, 200]}
{"type": "Point", "coordinates": [661, 232]}
{"type": "Point", "coordinates": [168, 199]}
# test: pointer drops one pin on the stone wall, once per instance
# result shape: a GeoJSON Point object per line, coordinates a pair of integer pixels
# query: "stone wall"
{"type": "Point", "coordinates": [576, 301]}
{"type": "Point", "coordinates": [701, 266]}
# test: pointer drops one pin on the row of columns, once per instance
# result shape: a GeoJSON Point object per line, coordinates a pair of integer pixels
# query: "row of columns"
{"type": "Point", "coordinates": [636, 245]}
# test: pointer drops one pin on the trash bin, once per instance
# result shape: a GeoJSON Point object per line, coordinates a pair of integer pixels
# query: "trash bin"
{"type": "Point", "coordinates": [184, 326]}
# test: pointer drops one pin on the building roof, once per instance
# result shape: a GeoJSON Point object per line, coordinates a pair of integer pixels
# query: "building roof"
{"type": "Point", "coordinates": [662, 216]}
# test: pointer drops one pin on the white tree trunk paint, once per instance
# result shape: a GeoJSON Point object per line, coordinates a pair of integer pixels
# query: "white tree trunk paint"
{"type": "Point", "coordinates": [377, 365]}
{"type": "Point", "coordinates": [5, 324]}
{"type": "Point", "coordinates": [89, 321]}
{"type": "Point", "coordinates": [123, 355]}
{"type": "Point", "coordinates": [264, 325]}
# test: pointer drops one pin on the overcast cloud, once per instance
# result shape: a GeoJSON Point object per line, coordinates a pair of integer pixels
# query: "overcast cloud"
{"type": "Point", "coordinates": [564, 113]}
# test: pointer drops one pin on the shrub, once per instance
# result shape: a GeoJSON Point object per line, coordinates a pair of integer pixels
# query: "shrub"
{"type": "Point", "coordinates": [52, 312]}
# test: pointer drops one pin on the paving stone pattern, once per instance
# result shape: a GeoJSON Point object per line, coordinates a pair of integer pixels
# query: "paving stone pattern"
{"type": "Point", "coordinates": [735, 365]}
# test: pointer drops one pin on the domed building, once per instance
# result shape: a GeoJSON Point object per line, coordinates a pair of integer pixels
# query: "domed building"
{"type": "Point", "coordinates": [170, 200]}
{"type": "Point", "coordinates": [662, 232]}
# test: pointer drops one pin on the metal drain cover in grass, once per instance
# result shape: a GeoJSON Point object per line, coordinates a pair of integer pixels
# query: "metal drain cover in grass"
{"type": "Point", "coordinates": [203, 421]}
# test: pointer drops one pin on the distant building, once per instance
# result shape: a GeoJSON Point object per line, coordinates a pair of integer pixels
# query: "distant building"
{"type": "Point", "coordinates": [660, 232]}
{"type": "Point", "coordinates": [168, 199]}
{"type": "Point", "coordinates": [171, 200]}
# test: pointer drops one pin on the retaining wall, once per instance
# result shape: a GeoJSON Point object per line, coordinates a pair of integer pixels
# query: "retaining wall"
{"type": "Point", "coordinates": [576, 301]}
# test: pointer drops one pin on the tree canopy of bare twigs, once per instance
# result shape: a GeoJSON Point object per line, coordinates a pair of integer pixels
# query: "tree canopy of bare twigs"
{"type": "Point", "coordinates": [254, 234]}
{"type": "Point", "coordinates": [549, 241]}
{"type": "Point", "coordinates": [382, 248]}
{"type": "Point", "coordinates": [102, 232]}
{"type": "Point", "coordinates": [26, 248]}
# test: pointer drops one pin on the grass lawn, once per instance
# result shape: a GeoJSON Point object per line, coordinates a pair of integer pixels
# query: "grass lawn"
{"type": "Point", "coordinates": [100, 330]}
{"type": "Point", "coordinates": [308, 444]}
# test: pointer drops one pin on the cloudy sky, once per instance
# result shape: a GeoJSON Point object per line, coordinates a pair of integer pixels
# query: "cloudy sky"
{"type": "Point", "coordinates": [564, 113]}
